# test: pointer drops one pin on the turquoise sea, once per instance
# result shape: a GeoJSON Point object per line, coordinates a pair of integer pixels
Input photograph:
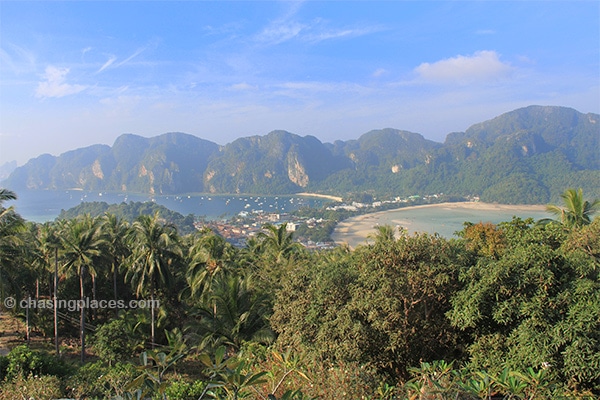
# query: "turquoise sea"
{"type": "Point", "coordinates": [45, 205]}
{"type": "Point", "coordinates": [444, 219]}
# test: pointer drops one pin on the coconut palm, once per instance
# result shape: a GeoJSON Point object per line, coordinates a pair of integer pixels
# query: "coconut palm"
{"type": "Point", "coordinates": [41, 243]}
{"type": "Point", "coordinates": [11, 227]}
{"type": "Point", "coordinates": [6, 194]}
{"type": "Point", "coordinates": [576, 212]}
{"type": "Point", "coordinates": [208, 255]}
{"type": "Point", "coordinates": [384, 235]}
{"type": "Point", "coordinates": [117, 231]}
{"type": "Point", "coordinates": [36, 255]}
{"type": "Point", "coordinates": [277, 242]}
{"type": "Point", "coordinates": [155, 250]}
{"type": "Point", "coordinates": [232, 312]}
{"type": "Point", "coordinates": [274, 254]}
{"type": "Point", "coordinates": [83, 244]}
{"type": "Point", "coordinates": [50, 243]}
{"type": "Point", "coordinates": [45, 245]}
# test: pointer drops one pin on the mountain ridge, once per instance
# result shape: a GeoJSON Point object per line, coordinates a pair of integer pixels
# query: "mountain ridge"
{"type": "Point", "coordinates": [528, 155]}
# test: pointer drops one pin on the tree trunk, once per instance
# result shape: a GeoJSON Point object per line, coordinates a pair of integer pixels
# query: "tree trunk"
{"type": "Point", "coordinates": [56, 301]}
{"type": "Point", "coordinates": [115, 287]}
{"type": "Point", "coordinates": [82, 315]}
{"type": "Point", "coordinates": [93, 287]}
{"type": "Point", "coordinates": [27, 324]}
{"type": "Point", "coordinates": [152, 317]}
{"type": "Point", "coordinates": [93, 311]}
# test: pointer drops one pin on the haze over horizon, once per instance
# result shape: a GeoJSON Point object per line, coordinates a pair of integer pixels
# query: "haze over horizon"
{"type": "Point", "coordinates": [73, 74]}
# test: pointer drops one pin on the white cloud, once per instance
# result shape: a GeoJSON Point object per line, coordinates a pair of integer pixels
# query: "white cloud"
{"type": "Point", "coordinates": [280, 31]}
{"type": "Point", "coordinates": [17, 58]}
{"type": "Point", "coordinates": [483, 66]}
{"type": "Point", "coordinates": [108, 63]}
{"type": "Point", "coordinates": [288, 27]}
{"type": "Point", "coordinates": [55, 85]}
{"type": "Point", "coordinates": [352, 32]}
{"type": "Point", "coordinates": [131, 57]}
{"type": "Point", "coordinates": [283, 28]}
{"type": "Point", "coordinates": [314, 32]}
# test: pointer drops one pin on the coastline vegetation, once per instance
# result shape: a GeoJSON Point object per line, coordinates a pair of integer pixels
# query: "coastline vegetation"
{"type": "Point", "coordinates": [507, 311]}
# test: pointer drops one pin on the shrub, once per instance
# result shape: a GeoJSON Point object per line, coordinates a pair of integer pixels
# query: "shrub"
{"type": "Point", "coordinates": [3, 367]}
{"type": "Point", "coordinates": [112, 341]}
{"type": "Point", "coordinates": [22, 362]}
{"type": "Point", "coordinates": [184, 390]}
{"type": "Point", "coordinates": [96, 380]}
{"type": "Point", "coordinates": [32, 387]}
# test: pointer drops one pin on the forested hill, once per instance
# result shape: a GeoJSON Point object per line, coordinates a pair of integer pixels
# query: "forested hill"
{"type": "Point", "coordinates": [129, 212]}
{"type": "Point", "coordinates": [527, 155]}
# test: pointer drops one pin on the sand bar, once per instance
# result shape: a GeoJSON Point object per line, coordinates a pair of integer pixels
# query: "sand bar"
{"type": "Point", "coordinates": [323, 196]}
{"type": "Point", "coordinates": [354, 231]}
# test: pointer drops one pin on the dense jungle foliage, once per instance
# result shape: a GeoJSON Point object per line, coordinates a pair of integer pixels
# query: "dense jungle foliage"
{"type": "Point", "coordinates": [507, 311]}
{"type": "Point", "coordinates": [128, 212]}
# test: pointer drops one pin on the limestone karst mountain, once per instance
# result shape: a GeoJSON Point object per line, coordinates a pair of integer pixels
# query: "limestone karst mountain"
{"type": "Point", "coordinates": [528, 155]}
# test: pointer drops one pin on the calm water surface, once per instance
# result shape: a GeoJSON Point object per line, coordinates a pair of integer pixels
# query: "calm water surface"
{"type": "Point", "coordinates": [444, 220]}
{"type": "Point", "coordinates": [447, 221]}
{"type": "Point", "coordinates": [45, 205]}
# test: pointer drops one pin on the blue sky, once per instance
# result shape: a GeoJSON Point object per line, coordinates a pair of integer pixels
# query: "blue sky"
{"type": "Point", "coordinates": [77, 73]}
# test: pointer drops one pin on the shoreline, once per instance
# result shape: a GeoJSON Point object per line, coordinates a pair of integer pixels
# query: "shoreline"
{"type": "Point", "coordinates": [323, 196]}
{"type": "Point", "coordinates": [472, 205]}
{"type": "Point", "coordinates": [355, 230]}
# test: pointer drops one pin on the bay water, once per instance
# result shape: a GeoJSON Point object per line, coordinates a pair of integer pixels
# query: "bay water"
{"type": "Point", "coordinates": [444, 219]}
{"type": "Point", "coordinates": [46, 205]}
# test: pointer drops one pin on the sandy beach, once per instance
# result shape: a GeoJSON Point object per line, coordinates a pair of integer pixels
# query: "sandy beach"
{"type": "Point", "coordinates": [431, 218]}
{"type": "Point", "coordinates": [323, 196]}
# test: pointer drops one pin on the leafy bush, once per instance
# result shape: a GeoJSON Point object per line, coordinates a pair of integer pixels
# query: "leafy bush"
{"type": "Point", "coordinates": [3, 367]}
{"type": "Point", "coordinates": [343, 380]}
{"type": "Point", "coordinates": [96, 380]}
{"type": "Point", "coordinates": [440, 380]}
{"type": "Point", "coordinates": [112, 341]}
{"type": "Point", "coordinates": [22, 362]}
{"type": "Point", "coordinates": [184, 390]}
{"type": "Point", "coordinates": [32, 387]}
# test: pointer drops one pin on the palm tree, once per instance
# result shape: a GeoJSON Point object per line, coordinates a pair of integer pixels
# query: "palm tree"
{"type": "Point", "coordinates": [83, 243]}
{"type": "Point", "coordinates": [232, 312]}
{"type": "Point", "coordinates": [384, 235]}
{"type": "Point", "coordinates": [47, 245]}
{"type": "Point", "coordinates": [6, 194]}
{"type": "Point", "coordinates": [208, 255]}
{"type": "Point", "coordinates": [117, 231]}
{"type": "Point", "coordinates": [278, 242]}
{"type": "Point", "coordinates": [155, 250]}
{"type": "Point", "coordinates": [577, 212]}
{"type": "Point", "coordinates": [11, 227]}
{"type": "Point", "coordinates": [274, 253]}
{"type": "Point", "coordinates": [40, 251]}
